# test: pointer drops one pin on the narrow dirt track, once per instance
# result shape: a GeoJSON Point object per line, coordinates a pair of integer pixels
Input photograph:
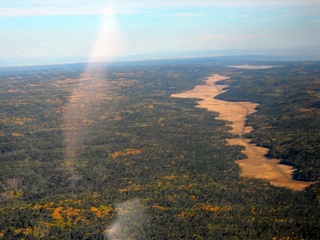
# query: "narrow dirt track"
{"type": "Point", "coordinates": [256, 165]}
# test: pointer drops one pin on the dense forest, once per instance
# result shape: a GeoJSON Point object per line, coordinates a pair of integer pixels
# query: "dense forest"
{"type": "Point", "coordinates": [106, 152]}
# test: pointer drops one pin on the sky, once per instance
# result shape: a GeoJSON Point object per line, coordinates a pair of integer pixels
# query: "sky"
{"type": "Point", "coordinates": [57, 31]}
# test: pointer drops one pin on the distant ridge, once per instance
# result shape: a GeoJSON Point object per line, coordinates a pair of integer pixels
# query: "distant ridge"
{"type": "Point", "coordinates": [288, 54]}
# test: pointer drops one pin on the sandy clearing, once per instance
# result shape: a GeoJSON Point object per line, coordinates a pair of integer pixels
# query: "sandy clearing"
{"type": "Point", "coordinates": [253, 67]}
{"type": "Point", "coordinates": [256, 166]}
{"type": "Point", "coordinates": [234, 112]}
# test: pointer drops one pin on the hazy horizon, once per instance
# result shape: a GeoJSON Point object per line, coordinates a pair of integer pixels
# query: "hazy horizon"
{"type": "Point", "coordinates": [36, 32]}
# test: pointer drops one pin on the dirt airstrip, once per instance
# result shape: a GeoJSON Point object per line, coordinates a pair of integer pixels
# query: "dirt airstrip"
{"type": "Point", "coordinates": [256, 165]}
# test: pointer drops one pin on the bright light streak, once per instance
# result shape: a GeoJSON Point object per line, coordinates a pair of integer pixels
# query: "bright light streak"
{"type": "Point", "coordinates": [109, 42]}
{"type": "Point", "coordinates": [90, 89]}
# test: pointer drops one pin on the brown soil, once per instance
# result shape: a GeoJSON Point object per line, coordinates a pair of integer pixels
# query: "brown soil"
{"type": "Point", "coordinates": [256, 166]}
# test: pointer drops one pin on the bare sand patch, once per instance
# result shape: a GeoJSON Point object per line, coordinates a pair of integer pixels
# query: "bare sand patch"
{"type": "Point", "coordinates": [254, 67]}
{"type": "Point", "coordinates": [256, 165]}
{"type": "Point", "coordinates": [235, 112]}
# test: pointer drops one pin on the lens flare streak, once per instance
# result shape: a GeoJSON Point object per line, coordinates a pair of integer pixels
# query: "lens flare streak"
{"type": "Point", "coordinates": [88, 90]}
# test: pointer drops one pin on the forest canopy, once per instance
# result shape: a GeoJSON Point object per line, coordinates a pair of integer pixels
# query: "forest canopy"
{"type": "Point", "coordinates": [107, 153]}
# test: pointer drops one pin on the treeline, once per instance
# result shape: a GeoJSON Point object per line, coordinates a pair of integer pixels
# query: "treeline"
{"type": "Point", "coordinates": [287, 120]}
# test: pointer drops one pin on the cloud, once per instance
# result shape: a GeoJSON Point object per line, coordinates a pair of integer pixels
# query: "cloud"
{"type": "Point", "coordinates": [45, 11]}
{"type": "Point", "coordinates": [184, 15]}
{"type": "Point", "coordinates": [225, 37]}
{"type": "Point", "coordinates": [244, 3]}
{"type": "Point", "coordinates": [19, 8]}
{"type": "Point", "coordinates": [189, 15]}
{"type": "Point", "coordinates": [240, 16]}
{"type": "Point", "coordinates": [217, 4]}
{"type": "Point", "coordinates": [230, 40]}
{"type": "Point", "coordinates": [57, 11]}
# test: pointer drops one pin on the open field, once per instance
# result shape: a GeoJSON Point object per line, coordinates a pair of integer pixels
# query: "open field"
{"type": "Point", "coordinates": [253, 67]}
{"type": "Point", "coordinates": [256, 165]}
{"type": "Point", "coordinates": [230, 111]}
